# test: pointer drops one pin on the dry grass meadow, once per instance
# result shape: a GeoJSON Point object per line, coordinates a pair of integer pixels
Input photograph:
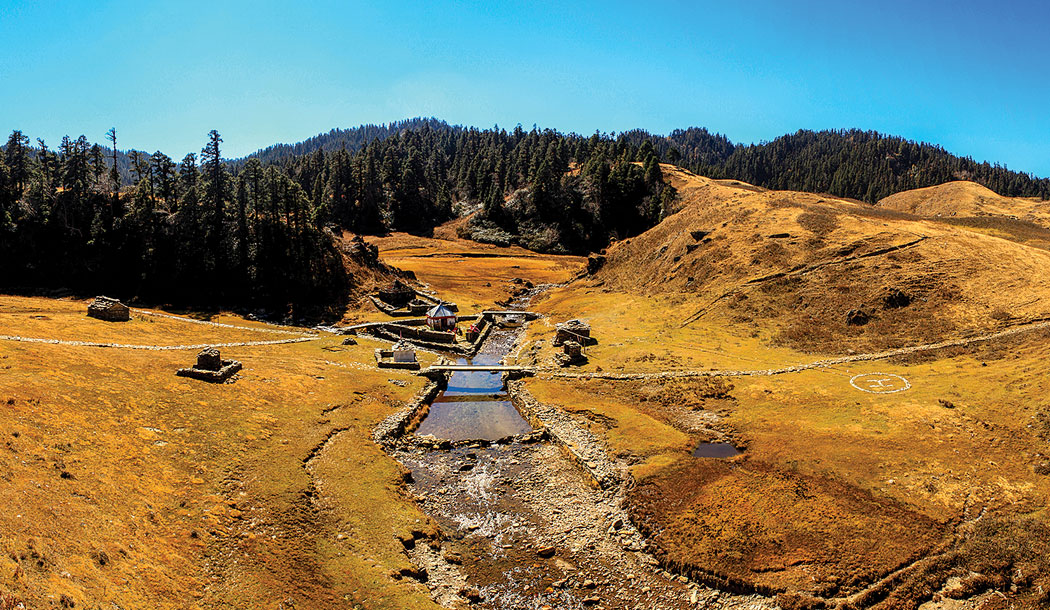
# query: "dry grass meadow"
{"type": "Point", "coordinates": [127, 485]}
{"type": "Point", "coordinates": [836, 487]}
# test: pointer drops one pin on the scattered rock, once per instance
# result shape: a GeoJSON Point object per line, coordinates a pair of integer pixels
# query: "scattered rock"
{"type": "Point", "coordinates": [1042, 468]}
{"type": "Point", "coordinates": [349, 341]}
{"type": "Point", "coordinates": [101, 558]}
{"type": "Point", "coordinates": [896, 299]}
{"type": "Point", "coordinates": [546, 552]}
{"type": "Point", "coordinates": [857, 317]}
{"type": "Point", "coordinates": [946, 403]}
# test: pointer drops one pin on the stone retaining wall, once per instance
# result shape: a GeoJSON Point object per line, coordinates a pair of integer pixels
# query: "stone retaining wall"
{"type": "Point", "coordinates": [391, 428]}
{"type": "Point", "coordinates": [582, 445]}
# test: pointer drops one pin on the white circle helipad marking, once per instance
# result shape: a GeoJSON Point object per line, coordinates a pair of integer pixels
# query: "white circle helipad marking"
{"type": "Point", "coordinates": [879, 383]}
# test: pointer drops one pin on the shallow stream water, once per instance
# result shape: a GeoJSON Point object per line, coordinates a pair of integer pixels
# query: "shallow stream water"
{"type": "Point", "coordinates": [715, 450]}
{"type": "Point", "coordinates": [524, 525]}
{"type": "Point", "coordinates": [475, 406]}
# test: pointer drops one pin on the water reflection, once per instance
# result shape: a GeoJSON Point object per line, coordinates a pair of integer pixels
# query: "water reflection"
{"type": "Point", "coordinates": [715, 450]}
{"type": "Point", "coordinates": [475, 404]}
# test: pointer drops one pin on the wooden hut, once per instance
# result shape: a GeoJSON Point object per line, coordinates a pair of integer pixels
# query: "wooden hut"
{"type": "Point", "coordinates": [441, 318]}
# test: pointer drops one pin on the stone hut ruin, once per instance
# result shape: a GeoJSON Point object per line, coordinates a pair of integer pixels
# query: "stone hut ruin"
{"type": "Point", "coordinates": [571, 354]}
{"type": "Point", "coordinates": [397, 294]}
{"type": "Point", "coordinates": [108, 309]}
{"type": "Point", "coordinates": [441, 318]}
{"type": "Point", "coordinates": [573, 330]}
{"type": "Point", "coordinates": [211, 367]}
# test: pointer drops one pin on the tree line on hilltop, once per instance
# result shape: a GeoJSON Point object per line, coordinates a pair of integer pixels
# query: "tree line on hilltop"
{"type": "Point", "coordinates": [205, 231]}
{"type": "Point", "coordinates": [185, 233]}
{"type": "Point", "coordinates": [258, 231]}
{"type": "Point", "coordinates": [864, 165]}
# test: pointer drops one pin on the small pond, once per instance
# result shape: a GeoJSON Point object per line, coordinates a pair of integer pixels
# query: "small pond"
{"type": "Point", "coordinates": [715, 450]}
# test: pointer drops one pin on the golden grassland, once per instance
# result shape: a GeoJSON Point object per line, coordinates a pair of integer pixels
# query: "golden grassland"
{"type": "Point", "coordinates": [962, 198]}
{"type": "Point", "coordinates": [126, 484]}
{"type": "Point", "coordinates": [474, 276]}
{"type": "Point", "coordinates": [883, 478]}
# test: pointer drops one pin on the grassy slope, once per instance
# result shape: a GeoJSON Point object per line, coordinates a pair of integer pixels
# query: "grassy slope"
{"type": "Point", "coordinates": [872, 462]}
{"type": "Point", "coordinates": [473, 282]}
{"type": "Point", "coordinates": [963, 198]}
{"type": "Point", "coordinates": [179, 493]}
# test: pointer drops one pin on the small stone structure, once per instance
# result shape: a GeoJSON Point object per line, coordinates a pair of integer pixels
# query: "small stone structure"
{"type": "Point", "coordinates": [572, 353]}
{"type": "Point", "coordinates": [403, 352]}
{"type": "Point", "coordinates": [573, 330]}
{"type": "Point", "coordinates": [109, 309]}
{"type": "Point", "coordinates": [401, 355]}
{"type": "Point", "coordinates": [211, 367]}
{"type": "Point", "coordinates": [398, 294]}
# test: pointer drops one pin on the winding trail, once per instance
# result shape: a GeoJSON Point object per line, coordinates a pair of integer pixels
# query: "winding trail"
{"type": "Point", "coordinates": [303, 336]}
{"type": "Point", "coordinates": [902, 351]}
{"type": "Point", "coordinates": [156, 348]}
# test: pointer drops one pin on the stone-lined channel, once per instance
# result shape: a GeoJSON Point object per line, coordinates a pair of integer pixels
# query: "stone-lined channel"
{"type": "Point", "coordinates": [475, 405]}
{"type": "Point", "coordinates": [524, 524]}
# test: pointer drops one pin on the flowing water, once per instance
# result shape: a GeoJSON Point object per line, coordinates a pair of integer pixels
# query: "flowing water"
{"type": "Point", "coordinates": [524, 526]}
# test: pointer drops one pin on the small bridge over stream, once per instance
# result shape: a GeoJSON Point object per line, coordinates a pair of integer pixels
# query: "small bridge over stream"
{"type": "Point", "coordinates": [443, 369]}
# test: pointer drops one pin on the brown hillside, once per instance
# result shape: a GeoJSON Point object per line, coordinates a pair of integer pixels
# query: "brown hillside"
{"type": "Point", "coordinates": [962, 198]}
{"type": "Point", "coordinates": [792, 265]}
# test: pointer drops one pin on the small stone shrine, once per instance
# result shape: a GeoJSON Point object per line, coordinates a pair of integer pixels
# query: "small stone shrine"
{"type": "Point", "coordinates": [211, 367]}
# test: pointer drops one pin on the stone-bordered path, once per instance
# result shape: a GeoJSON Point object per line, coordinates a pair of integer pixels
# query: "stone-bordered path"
{"type": "Point", "coordinates": [902, 351]}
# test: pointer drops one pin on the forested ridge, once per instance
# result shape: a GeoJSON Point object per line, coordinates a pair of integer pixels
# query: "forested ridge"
{"type": "Point", "coordinates": [186, 233]}
{"type": "Point", "coordinates": [259, 231]}
{"type": "Point", "coordinates": [864, 165]}
{"type": "Point", "coordinates": [198, 232]}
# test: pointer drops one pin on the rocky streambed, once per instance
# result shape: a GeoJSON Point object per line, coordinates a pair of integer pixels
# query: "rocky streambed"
{"type": "Point", "coordinates": [532, 520]}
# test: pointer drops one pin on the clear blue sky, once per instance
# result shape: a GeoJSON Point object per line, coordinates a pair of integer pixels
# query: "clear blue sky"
{"type": "Point", "coordinates": [973, 76]}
